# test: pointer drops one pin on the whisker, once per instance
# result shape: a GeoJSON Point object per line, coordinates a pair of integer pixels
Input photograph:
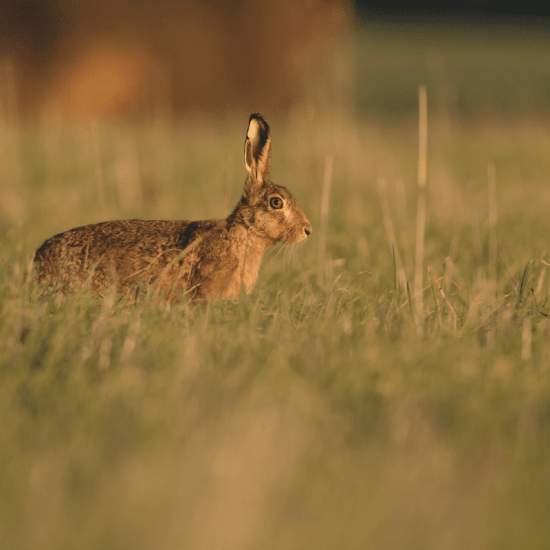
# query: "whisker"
{"type": "Point", "coordinates": [287, 256]}
{"type": "Point", "coordinates": [274, 253]}
{"type": "Point", "coordinates": [291, 256]}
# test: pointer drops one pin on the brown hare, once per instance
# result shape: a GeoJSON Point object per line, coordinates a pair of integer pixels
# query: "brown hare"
{"type": "Point", "coordinates": [202, 259]}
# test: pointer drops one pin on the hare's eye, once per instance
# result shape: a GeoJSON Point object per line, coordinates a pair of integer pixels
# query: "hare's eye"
{"type": "Point", "coordinates": [276, 202]}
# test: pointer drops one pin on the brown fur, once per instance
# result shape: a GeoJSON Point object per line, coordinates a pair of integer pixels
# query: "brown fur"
{"type": "Point", "coordinates": [204, 259]}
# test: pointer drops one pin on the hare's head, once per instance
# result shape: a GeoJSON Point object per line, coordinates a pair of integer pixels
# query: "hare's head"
{"type": "Point", "coordinates": [269, 210]}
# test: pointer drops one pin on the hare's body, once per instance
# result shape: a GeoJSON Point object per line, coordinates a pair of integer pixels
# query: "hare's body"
{"type": "Point", "coordinates": [204, 259]}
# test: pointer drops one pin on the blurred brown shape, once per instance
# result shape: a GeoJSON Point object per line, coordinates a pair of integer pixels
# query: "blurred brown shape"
{"type": "Point", "coordinates": [88, 59]}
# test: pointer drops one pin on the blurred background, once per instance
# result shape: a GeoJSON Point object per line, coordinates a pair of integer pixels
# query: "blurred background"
{"type": "Point", "coordinates": [88, 59]}
{"type": "Point", "coordinates": [77, 59]}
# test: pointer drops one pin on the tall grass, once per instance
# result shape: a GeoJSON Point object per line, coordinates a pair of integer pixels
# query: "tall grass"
{"type": "Point", "coordinates": [311, 414]}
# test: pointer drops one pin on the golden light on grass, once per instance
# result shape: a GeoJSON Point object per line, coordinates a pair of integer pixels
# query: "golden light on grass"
{"type": "Point", "coordinates": [307, 416]}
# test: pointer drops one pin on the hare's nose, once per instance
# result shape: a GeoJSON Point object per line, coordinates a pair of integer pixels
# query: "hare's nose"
{"type": "Point", "coordinates": [307, 229]}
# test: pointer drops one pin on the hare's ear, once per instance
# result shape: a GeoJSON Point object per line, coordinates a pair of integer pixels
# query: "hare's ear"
{"type": "Point", "coordinates": [257, 149]}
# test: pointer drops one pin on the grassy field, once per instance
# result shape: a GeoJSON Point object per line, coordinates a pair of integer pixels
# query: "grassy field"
{"type": "Point", "coordinates": [320, 412]}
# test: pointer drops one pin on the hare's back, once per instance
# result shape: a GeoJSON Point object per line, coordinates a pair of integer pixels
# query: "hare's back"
{"type": "Point", "coordinates": [126, 245]}
{"type": "Point", "coordinates": [125, 235]}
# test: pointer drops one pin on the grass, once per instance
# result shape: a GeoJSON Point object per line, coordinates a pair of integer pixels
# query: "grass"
{"type": "Point", "coordinates": [310, 414]}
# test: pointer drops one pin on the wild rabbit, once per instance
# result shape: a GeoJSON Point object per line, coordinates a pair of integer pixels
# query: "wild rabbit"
{"type": "Point", "coordinates": [203, 259]}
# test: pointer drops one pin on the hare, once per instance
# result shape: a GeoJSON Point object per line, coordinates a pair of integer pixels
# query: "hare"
{"type": "Point", "coordinates": [202, 259]}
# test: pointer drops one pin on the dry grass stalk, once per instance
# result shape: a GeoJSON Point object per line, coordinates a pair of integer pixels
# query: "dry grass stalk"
{"type": "Point", "coordinates": [492, 220]}
{"type": "Point", "coordinates": [480, 275]}
{"type": "Point", "coordinates": [390, 231]}
{"type": "Point", "coordinates": [441, 291]}
{"type": "Point", "coordinates": [61, 220]}
{"type": "Point", "coordinates": [323, 224]}
{"type": "Point", "coordinates": [526, 338]}
{"type": "Point", "coordinates": [540, 281]}
{"type": "Point", "coordinates": [401, 202]}
{"type": "Point", "coordinates": [98, 170]}
{"type": "Point", "coordinates": [421, 208]}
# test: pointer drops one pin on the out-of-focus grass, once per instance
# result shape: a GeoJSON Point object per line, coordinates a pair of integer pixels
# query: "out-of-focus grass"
{"type": "Point", "coordinates": [472, 70]}
{"type": "Point", "coordinates": [309, 415]}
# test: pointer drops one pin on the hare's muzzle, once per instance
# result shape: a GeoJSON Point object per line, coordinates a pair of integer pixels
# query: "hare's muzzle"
{"type": "Point", "coordinates": [304, 232]}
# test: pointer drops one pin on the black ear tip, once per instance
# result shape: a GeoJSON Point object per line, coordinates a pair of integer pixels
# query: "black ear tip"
{"type": "Point", "coordinates": [257, 116]}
